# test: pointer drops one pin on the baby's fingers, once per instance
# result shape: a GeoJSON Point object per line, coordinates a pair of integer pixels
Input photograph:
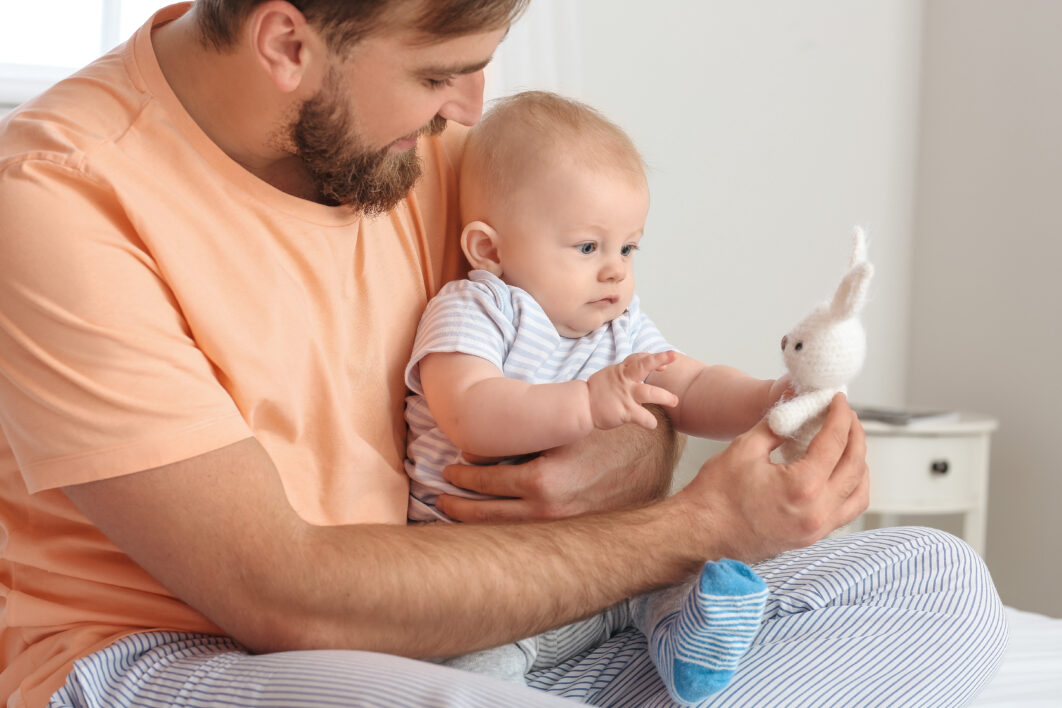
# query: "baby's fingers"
{"type": "Point", "coordinates": [637, 367]}
{"type": "Point", "coordinates": [644, 418]}
{"type": "Point", "coordinates": [647, 393]}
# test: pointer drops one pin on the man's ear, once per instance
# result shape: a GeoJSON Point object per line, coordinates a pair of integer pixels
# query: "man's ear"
{"type": "Point", "coordinates": [283, 43]}
{"type": "Point", "coordinates": [479, 241]}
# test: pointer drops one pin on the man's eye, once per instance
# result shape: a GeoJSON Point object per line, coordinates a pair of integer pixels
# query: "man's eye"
{"type": "Point", "coordinates": [440, 83]}
{"type": "Point", "coordinates": [587, 248]}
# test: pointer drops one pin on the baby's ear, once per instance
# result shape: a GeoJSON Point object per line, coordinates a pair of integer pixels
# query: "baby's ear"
{"type": "Point", "coordinates": [479, 241]}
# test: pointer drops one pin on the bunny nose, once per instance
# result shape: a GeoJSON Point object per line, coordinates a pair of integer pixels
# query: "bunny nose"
{"type": "Point", "coordinates": [784, 341]}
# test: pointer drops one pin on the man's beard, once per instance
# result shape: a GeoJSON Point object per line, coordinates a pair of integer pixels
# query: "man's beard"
{"type": "Point", "coordinates": [342, 170]}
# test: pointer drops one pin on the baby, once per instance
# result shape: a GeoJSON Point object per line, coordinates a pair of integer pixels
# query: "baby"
{"type": "Point", "coordinates": [546, 341]}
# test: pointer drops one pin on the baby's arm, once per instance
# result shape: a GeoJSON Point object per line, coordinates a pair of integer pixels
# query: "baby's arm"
{"type": "Point", "coordinates": [488, 414]}
{"type": "Point", "coordinates": [788, 416]}
{"type": "Point", "coordinates": [716, 401]}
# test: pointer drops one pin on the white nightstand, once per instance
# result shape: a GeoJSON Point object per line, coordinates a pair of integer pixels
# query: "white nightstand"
{"type": "Point", "coordinates": [931, 468]}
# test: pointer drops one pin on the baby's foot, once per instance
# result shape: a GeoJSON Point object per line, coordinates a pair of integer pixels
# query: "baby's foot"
{"type": "Point", "coordinates": [697, 649]}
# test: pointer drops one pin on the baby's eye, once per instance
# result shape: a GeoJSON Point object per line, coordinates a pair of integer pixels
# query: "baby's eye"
{"type": "Point", "coordinates": [628, 249]}
{"type": "Point", "coordinates": [587, 248]}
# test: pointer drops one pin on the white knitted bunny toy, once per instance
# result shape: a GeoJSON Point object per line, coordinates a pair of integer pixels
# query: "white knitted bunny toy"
{"type": "Point", "coordinates": [823, 353]}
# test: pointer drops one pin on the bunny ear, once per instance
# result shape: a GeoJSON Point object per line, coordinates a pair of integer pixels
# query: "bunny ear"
{"type": "Point", "coordinates": [851, 294]}
{"type": "Point", "coordinates": [859, 246]}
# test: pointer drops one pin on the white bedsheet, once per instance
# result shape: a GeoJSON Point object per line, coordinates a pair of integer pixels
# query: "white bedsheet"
{"type": "Point", "coordinates": [1031, 672]}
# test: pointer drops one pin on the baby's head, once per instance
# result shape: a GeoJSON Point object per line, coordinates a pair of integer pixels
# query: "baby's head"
{"type": "Point", "coordinates": [554, 198]}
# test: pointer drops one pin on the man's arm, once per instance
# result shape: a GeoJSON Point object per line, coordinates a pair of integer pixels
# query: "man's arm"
{"type": "Point", "coordinates": [218, 531]}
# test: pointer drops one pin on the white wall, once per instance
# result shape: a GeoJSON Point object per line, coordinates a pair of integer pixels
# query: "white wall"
{"type": "Point", "coordinates": [986, 330]}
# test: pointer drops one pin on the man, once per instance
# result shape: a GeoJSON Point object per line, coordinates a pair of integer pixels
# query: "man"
{"type": "Point", "coordinates": [212, 271]}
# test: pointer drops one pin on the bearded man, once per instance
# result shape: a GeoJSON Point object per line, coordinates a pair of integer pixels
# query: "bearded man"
{"type": "Point", "coordinates": [217, 241]}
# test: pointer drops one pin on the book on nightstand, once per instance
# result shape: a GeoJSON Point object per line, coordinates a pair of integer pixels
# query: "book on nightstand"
{"type": "Point", "coordinates": [905, 416]}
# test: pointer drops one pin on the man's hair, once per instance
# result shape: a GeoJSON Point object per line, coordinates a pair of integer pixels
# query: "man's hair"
{"type": "Point", "coordinates": [344, 22]}
{"type": "Point", "coordinates": [537, 129]}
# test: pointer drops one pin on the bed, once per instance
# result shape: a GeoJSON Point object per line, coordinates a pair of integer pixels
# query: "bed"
{"type": "Point", "coordinates": [1031, 672]}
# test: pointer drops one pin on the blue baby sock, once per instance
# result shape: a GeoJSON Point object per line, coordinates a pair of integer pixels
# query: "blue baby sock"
{"type": "Point", "coordinates": [697, 648]}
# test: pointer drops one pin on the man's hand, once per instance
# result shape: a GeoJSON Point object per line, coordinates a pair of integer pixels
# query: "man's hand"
{"type": "Point", "coordinates": [761, 509]}
{"type": "Point", "coordinates": [618, 392]}
{"type": "Point", "coordinates": [608, 470]}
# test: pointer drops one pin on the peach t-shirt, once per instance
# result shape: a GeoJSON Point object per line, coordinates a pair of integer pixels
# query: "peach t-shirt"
{"type": "Point", "coordinates": [157, 302]}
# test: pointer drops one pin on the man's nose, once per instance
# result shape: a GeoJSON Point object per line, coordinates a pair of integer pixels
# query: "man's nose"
{"type": "Point", "coordinates": [465, 103]}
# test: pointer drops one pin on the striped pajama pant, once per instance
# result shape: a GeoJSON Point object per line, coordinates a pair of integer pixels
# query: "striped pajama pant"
{"type": "Point", "coordinates": [891, 617]}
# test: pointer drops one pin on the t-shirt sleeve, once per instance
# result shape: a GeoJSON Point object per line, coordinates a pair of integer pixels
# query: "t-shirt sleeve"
{"type": "Point", "coordinates": [644, 333]}
{"type": "Point", "coordinates": [467, 316]}
{"type": "Point", "coordinates": [99, 372]}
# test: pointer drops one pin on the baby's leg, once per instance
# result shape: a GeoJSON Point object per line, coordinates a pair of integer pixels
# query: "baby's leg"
{"type": "Point", "coordinates": [547, 650]}
{"type": "Point", "coordinates": [508, 662]}
{"type": "Point", "coordinates": [697, 633]}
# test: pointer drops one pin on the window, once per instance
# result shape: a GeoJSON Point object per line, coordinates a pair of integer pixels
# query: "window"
{"type": "Point", "coordinates": [45, 40]}
{"type": "Point", "coordinates": [540, 52]}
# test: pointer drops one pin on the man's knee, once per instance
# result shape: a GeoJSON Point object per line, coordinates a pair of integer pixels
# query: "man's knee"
{"type": "Point", "coordinates": [975, 604]}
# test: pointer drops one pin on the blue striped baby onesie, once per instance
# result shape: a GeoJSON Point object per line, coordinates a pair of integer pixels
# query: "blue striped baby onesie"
{"type": "Point", "coordinates": [504, 325]}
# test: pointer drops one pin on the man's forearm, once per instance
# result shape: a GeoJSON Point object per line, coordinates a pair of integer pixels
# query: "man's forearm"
{"type": "Point", "coordinates": [489, 584]}
{"type": "Point", "coordinates": [440, 590]}
{"type": "Point", "coordinates": [252, 566]}
{"type": "Point", "coordinates": [218, 532]}
{"type": "Point", "coordinates": [653, 456]}
{"type": "Point", "coordinates": [664, 454]}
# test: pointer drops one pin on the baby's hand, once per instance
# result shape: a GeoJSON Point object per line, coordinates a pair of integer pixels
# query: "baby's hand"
{"type": "Point", "coordinates": [782, 389]}
{"type": "Point", "coordinates": [618, 392]}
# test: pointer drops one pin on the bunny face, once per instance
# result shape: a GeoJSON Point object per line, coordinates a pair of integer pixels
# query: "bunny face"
{"type": "Point", "coordinates": [823, 352]}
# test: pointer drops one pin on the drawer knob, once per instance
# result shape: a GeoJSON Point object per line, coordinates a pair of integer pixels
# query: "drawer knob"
{"type": "Point", "coordinates": [939, 467]}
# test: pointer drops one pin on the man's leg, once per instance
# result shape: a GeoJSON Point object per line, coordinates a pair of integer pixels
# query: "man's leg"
{"type": "Point", "coordinates": [164, 670]}
{"type": "Point", "coordinates": [892, 617]}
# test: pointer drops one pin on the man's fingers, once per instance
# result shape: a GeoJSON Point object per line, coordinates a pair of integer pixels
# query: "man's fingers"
{"type": "Point", "coordinates": [829, 444]}
{"type": "Point", "coordinates": [495, 480]}
{"type": "Point", "coordinates": [471, 511]}
{"type": "Point", "coordinates": [856, 451]}
{"type": "Point", "coordinates": [761, 436]}
{"type": "Point", "coordinates": [851, 471]}
{"type": "Point", "coordinates": [854, 505]}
